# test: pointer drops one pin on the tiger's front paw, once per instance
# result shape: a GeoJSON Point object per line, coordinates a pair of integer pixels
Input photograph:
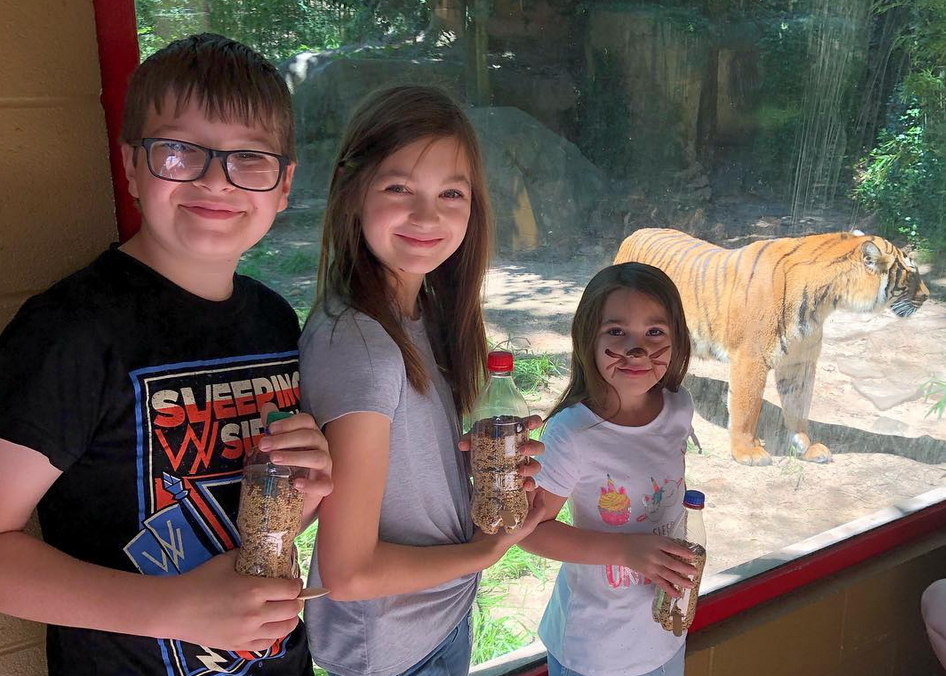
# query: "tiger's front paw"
{"type": "Point", "coordinates": [751, 456]}
{"type": "Point", "coordinates": [817, 453]}
{"type": "Point", "coordinates": [805, 450]}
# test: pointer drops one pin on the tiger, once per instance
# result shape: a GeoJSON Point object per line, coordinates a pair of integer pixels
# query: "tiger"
{"type": "Point", "coordinates": [763, 307]}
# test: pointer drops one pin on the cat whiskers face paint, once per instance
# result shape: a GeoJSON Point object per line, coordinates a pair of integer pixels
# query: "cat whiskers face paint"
{"type": "Point", "coordinates": [638, 353]}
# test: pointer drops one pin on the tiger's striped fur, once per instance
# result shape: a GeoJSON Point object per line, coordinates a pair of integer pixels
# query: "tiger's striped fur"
{"type": "Point", "coordinates": [763, 306]}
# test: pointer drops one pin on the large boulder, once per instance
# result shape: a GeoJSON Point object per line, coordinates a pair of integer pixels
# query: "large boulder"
{"type": "Point", "coordinates": [543, 189]}
{"type": "Point", "coordinates": [326, 97]}
{"type": "Point", "coordinates": [327, 86]}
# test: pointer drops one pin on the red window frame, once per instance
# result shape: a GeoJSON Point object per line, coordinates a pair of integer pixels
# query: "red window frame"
{"type": "Point", "coordinates": [118, 56]}
{"type": "Point", "coordinates": [117, 33]}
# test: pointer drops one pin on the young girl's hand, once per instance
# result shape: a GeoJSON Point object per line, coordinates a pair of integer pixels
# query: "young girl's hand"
{"type": "Point", "coordinates": [502, 541]}
{"type": "Point", "coordinates": [652, 556]}
{"type": "Point", "coordinates": [531, 448]}
{"type": "Point", "coordinates": [298, 442]}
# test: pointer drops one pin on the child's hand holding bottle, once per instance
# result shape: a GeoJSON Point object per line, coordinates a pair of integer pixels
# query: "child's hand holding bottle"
{"type": "Point", "coordinates": [653, 557]}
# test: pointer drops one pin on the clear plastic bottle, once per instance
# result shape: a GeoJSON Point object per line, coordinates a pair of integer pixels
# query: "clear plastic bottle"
{"type": "Point", "coordinates": [270, 515]}
{"type": "Point", "coordinates": [497, 433]}
{"type": "Point", "coordinates": [676, 615]}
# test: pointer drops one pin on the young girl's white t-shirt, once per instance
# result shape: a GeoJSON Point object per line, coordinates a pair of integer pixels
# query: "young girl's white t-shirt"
{"type": "Point", "coordinates": [620, 480]}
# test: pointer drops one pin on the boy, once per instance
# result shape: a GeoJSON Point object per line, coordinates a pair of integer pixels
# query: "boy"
{"type": "Point", "coordinates": [131, 389]}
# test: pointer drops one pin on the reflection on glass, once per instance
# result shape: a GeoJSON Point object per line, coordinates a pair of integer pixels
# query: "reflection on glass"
{"type": "Point", "coordinates": [753, 129]}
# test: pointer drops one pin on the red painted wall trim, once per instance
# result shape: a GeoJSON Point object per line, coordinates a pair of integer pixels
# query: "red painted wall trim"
{"type": "Point", "coordinates": [755, 591]}
{"type": "Point", "coordinates": [117, 33]}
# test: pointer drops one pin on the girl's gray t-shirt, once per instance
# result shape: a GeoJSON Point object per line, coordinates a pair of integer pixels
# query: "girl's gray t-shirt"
{"type": "Point", "coordinates": [350, 364]}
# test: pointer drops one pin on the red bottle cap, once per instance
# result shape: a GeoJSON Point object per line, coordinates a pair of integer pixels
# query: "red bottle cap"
{"type": "Point", "coordinates": [499, 361]}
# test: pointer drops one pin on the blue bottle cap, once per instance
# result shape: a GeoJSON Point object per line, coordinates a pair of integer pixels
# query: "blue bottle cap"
{"type": "Point", "coordinates": [694, 499]}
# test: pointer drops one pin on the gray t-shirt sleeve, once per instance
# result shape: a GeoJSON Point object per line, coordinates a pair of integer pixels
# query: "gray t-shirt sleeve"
{"type": "Point", "coordinates": [349, 365]}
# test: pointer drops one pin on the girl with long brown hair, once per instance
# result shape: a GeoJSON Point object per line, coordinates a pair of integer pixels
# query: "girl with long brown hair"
{"type": "Point", "coordinates": [614, 448]}
{"type": "Point", "coordinates": [393, 353]}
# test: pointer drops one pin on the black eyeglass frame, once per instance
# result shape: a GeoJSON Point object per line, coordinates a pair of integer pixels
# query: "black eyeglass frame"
{"type": "Point", "coordinates": [211, 154]}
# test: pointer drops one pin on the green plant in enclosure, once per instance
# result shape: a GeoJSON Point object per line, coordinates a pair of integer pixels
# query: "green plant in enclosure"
{"type": "Point", "coordinates": [935, 390]}
{"type": "Point", "coordinates": [495, 634]}
{"type": "Point", "coordinates": [532, 371]}
{"type": "Point", "coordinates": [280, 28]}
{"type": "Point", "coordinates": [904, 177]}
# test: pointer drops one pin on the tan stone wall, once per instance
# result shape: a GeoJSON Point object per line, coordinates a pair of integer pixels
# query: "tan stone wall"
{"type": "Point", "coordinates": [56, 207]}
{"type": "Point", "coordinates": [864, 621]}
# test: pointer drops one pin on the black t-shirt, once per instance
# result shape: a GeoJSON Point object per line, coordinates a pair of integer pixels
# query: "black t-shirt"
{"type": "Point", "coordinates": [145, 396]}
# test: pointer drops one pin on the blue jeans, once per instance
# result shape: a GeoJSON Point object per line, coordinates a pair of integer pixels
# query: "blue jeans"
{"type": "Point", "coordinates": [450, 658]}
{"type": "Point", "coordinates": [673, 667]}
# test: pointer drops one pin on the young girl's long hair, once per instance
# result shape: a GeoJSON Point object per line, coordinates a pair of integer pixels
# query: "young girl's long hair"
{"type": "Point", "coordinates": [450, 297]}
{"type": "Point", "coordinates": [586, 384]}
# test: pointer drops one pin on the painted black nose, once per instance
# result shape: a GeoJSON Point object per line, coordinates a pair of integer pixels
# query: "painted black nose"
{"type": "Point", "coordinates": [636, 352]}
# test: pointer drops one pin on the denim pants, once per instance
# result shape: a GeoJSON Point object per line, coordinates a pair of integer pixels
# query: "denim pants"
{"type": "Point", "coordinates": [673, 667]}
{"type": "Point", "coordinates": [450, 658]}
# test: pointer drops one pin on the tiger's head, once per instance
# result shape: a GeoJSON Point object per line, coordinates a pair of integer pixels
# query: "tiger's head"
{"type": "Point", "coordinates": [903, 291]}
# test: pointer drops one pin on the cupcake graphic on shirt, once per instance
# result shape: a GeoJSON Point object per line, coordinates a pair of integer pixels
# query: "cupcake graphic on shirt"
{"type": "Point", "coordinates": [614, 505]}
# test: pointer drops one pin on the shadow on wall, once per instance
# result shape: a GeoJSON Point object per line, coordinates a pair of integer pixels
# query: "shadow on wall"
{"type": "Point", "coordinates": [709, 399]}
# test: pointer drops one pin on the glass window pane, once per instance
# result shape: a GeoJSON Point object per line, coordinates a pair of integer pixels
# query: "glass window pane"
{"type": "Point", "coordinates": [794, 152]}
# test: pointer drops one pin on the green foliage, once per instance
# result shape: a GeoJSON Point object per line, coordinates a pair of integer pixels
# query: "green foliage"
{"type": "Point", "coordinates": [777, 104]}
{"type": "Point", "coordinates": [565, 516]}
{"type": "Point", "coordinates": [495, 634]}
{"type": "Point", "coordinates": [936, 390]}
{"type": "Point", "coordinates": [280, 28]}
{"type": "Point", "coordinates": [514, 564]}
{"type": "Point", "coordinates": [305, 544]}
{"type": "Point", "coordinates": [531, 371]}
{"type": "Point", "coordinates": [904, 177]}
{"type": "Point", "coordinates": [282, 269]}
{"type": "Point", "coordinates": [299, 262]}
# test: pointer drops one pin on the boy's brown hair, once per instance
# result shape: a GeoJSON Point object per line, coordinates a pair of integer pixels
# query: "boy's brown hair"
{"type": "Point", "coordinates": [229, 80]}
{"type": "Point", "coordinates": [450, 297]}
{"type": "Point", "coordinates": [586, 384]}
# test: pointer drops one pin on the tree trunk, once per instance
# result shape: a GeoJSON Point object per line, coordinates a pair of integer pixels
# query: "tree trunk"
{"type": "Point", "coordinates": [480, 51]}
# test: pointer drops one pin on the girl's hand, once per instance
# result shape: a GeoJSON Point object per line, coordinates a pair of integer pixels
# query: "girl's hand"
{"type": "Point", "coordinates": [653, 557]}
{"type": "Point", "coordinates": [298, 442]}
{"type": "Point", "coordinates": [502, 541]}
{"type": "Point", "coordinates": [218, 607]}
{"type": "Point", "coordinates": [531, 448]}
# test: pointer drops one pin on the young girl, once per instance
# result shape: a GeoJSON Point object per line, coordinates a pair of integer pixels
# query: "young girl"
{"type": "Point", "coordinates": [615, 446]}
{"type": "Point", "coordinates": [393, 351]}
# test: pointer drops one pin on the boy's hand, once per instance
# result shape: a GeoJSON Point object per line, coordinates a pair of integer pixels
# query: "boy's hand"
{"type": "Point", "coordinates": [531, 449]}
{"type": "Point", "coordinates": [652, 556]}
{"type": "Point", "coordinates": [298, 442]}
{"type": "Point", "coordinates": [219, 608]}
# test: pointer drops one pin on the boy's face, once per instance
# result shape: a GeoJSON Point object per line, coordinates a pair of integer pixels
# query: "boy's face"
{"type": "Point", "coordinates": [208, 219]}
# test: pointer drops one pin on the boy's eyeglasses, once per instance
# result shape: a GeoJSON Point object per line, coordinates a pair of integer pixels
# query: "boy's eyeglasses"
{"type": "Point", "coordinates": [182, 162]}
